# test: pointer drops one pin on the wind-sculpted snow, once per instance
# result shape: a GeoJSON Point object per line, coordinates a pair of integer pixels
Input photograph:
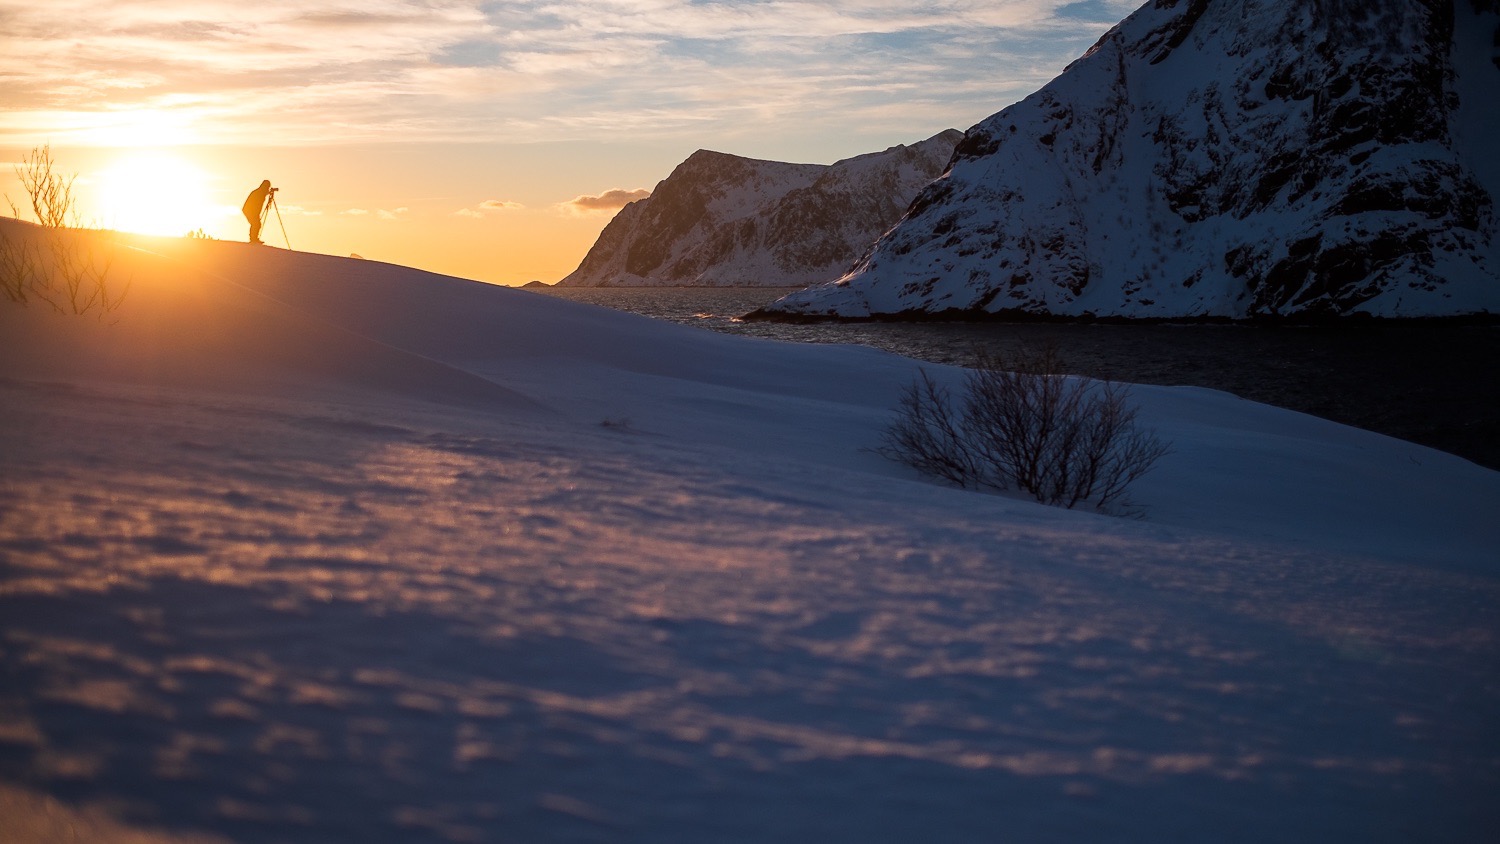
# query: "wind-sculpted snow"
{"type": "Point", "coordinates": [724, 220]}
{"type": "Point", "coordinates": [1220, 158]}
{"type": "Point", "coordinates": [310, 626]}
{"type": "Point", "coordinates": [604, 578]}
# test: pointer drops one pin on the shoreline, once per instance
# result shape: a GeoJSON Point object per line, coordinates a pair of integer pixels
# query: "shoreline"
{"type": "Point", "coordinates": [1425, 380]}
{"type": "Point", "coordinates": [1020, 317]}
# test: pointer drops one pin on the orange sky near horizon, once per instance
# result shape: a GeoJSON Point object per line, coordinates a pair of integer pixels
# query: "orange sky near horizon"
{"type": "Point", "coordinates": [457, 135]}
{"type": "Point", "coordinates": [376, 202]}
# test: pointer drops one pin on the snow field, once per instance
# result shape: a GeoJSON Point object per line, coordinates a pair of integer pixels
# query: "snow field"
{"type": "Point", "coordinates": [302, 548]}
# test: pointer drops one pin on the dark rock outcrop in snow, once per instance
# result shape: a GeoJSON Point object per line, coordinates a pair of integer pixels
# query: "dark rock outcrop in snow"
{"type": "Point", "coordinates": [724, 220]}
{"type": "Point", "coordinates": [1220, 158]}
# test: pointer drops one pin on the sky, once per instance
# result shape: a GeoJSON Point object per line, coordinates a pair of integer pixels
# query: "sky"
{"type": "Point", "coordinates": [489, 140]}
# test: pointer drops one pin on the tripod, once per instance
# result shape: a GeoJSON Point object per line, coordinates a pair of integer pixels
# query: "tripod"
{"type": "Point", "coordinates": [267, 209]}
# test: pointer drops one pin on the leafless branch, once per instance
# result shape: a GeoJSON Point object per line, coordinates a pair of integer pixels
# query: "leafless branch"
{"type": "Point", "coordinates": [51, 193]}
{"type": "Point", "coordinates": [1022, 424]}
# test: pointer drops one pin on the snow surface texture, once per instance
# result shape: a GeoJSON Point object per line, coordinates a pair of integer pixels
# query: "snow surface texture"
{"type": "Point", "coordinates": [305, 548]}
{"type": "Point", "coordinates": [1221, 158]}
{"type": "Point", "coordinates": [722, 220]}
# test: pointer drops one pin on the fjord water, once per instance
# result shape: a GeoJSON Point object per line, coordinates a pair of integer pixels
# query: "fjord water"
{"type": "Point", "coordinates": [1437, 384]}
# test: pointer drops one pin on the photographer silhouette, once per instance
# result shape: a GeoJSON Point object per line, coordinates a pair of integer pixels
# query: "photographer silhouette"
{"type": "Point", "coordinates": [255, 206]}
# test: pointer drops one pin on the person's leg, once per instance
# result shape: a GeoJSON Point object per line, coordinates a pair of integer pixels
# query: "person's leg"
{"type": "Point", "coordinates": [254, 229]}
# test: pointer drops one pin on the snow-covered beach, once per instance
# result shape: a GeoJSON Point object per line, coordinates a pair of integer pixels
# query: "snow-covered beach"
{"type": "Point", "coordinates": [302, 548]}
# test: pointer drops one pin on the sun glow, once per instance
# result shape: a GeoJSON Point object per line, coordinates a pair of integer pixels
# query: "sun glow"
{"type": "Point", "coordinates": [155, 193]}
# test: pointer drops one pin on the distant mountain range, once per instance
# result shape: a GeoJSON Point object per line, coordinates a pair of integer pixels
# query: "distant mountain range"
{"type": "Point", "coordinates": [1222, 159]}
{"type": "Point", "coordinates": [723, 220]}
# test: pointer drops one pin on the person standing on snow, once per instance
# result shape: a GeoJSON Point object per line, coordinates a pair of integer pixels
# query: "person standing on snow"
{"type": "Point", "coordinates": [254, 208]}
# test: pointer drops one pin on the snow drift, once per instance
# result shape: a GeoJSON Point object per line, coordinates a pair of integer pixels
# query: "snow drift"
{"type": "Point", "coordinates": [1220, 158]}
{"type": "Point", "coordinates": [295, 547]}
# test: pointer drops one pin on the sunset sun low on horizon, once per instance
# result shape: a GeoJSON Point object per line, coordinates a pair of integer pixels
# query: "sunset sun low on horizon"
{"type": "Point", "coordinates": [156, 193]}
{"type": "Point", "coordinates": [490, 141]}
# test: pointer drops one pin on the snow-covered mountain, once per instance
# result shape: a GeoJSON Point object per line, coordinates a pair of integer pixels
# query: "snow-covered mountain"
{"type": "Point", "coordinates": [721, 219]}
{"type": "Point", "coordinates": [1221, 158]}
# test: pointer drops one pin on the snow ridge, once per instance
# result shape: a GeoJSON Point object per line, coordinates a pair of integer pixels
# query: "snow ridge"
{"type": "Point", "coordinates": [1221, 159]}
{"type": "Point", "coordinates": [723, 220]}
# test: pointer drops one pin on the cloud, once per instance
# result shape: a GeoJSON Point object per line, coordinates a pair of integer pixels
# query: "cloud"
{"type": "Point", "coordinates": [379, 213]}
{"type": "Point", "coordinates": [221, 71]}
{"type": "Point", "coordinates": [610, 200]}
{"type": "Point", "coordinates": [487, 207]}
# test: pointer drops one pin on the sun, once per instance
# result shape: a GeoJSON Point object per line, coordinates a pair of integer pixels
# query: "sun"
{"type": "Point", "coordinates": [155, 192]}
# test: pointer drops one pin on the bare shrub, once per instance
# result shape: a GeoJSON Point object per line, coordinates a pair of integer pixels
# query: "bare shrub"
{"type": "Point", "coordinates": [1022, 424]}
{"type": "Point", "coordinates": [80, 281]}
{"type": "Point", "coordinates": [77, 278]}
{"type": "Point", "coordinates": [19, 271]}
{"type": "Point", "coordinates": [51, 193]}
{"type": "Point", "coordinates": [929, 435]}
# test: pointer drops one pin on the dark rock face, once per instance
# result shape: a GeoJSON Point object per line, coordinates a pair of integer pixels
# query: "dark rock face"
{"type": "Point", "coordinates": [1221, 158]}
{"type": "Point", "coordinates": [724, 220]}
{"type": "Point", "coordinates": [682, 202]}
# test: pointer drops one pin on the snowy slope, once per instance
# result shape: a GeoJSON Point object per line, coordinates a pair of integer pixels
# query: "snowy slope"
{"type": "Point", "coordinates": [304, 548]}
{"type": "Point", "coordinates": [725, 220]}
{"type": "Point", "coordinates": [1221, 158]}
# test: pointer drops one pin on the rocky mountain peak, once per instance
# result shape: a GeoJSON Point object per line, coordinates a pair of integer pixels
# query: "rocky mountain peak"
{"type": "Point", "coordinates": [1220, 158]}
{"type": "Point", "coordinates": [721, 219]}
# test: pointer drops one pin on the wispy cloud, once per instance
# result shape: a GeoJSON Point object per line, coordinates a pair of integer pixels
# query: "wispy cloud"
{"type": "Point", "coordinates": [378, 213]}
{"type": "Point", "coordinates": [610, 200]}
{"type": "Point", "coordinates": [424, 70]}
{"type": "Point", "coordinates": [488, 207]}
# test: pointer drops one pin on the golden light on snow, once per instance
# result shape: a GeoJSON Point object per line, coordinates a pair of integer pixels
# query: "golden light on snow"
{"type": "Point", "coordinates": [154, 192]}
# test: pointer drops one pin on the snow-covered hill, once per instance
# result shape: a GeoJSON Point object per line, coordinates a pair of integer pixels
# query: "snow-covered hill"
{"type": "Point", "coordinates": [1221, 158]}
{"type": "Point", "coordinates": [721, 219]}
{"type": "Point", "coordinates": [313, 549]}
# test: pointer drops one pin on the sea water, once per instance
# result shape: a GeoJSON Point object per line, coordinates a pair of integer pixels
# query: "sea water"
{"type": "Point", "coordinates": [1433, 383]}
